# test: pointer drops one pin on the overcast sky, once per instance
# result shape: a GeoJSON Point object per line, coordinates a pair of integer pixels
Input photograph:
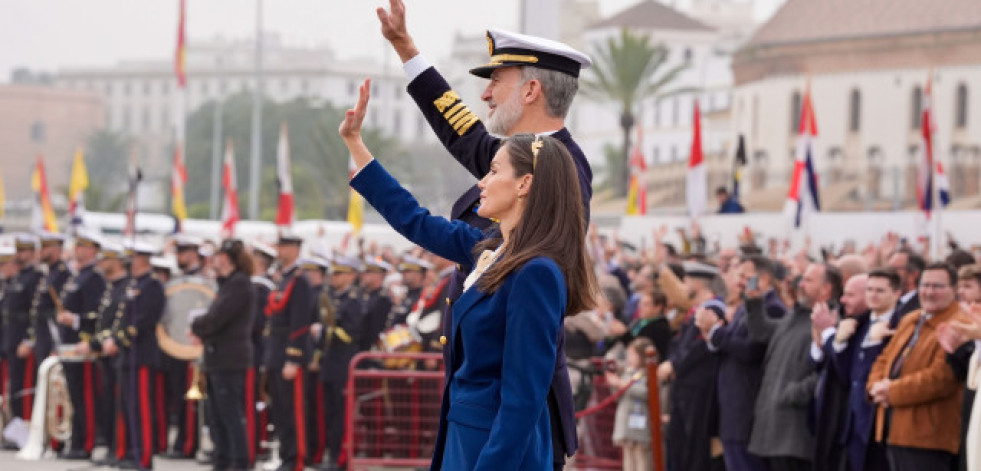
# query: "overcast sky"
{"type": "Point", "coordinates": [48, 34]}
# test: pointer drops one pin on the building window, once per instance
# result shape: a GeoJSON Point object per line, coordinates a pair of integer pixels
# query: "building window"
{"type": "Point", "coordinates": [108, 88]}
{"type": "Point", "coordinates": [674, 153]}
{"type": "Point", "coordinates": [916, 107]}
{"type": "Point", "coordinates": [656, 155]}
{"type": "Point", "coordinates": [795, 110]}
{"type": "Point", "coordinates": [146, 88]}
{"type": "Point", "coordinates": [164, 119]}
{"type": "Point", "coordinates": [855, 111]}
{"type": "Point", "coordinates": [688, 54]}
{"type": "Point", "coordinates": [352, 87]}
{"type": "Point", "coordinates": [204, 90]}
{"type": "Point", "coordinates": [146, 118]}
{"type": "Point", "coordinates": [38, 132]}
{"type": "Point", "coordinates": [657, 113]}
{"type": "Point", "coordinates": [674, 113]}
{"type": "Point", "coordinates": [125, 88]}
{"type": "Point", "coordinates": [960, 118]}
{"type": "Point", "coordinates": [126, 123]}
{"type": "Point", "coordinates": [164, 88]}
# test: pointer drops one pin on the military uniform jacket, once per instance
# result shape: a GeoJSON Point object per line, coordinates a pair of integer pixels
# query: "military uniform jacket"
{"type": "Point", "coordinates": [343, 341]}
{"type": "Point", "coordinates": [401, 311]}
{"type": "Point", "coordinates": [18, 300]}
{"type": "Point", "coordinates": [466, 138]}
{"type": "Point", "coordinates": [82, 295]}
{"type": "Point", "coordinates": [136, 324]}
{"type": "Point", "coordinates": [288, 321]}
{"type": "Point", "coordinates": [111, 303]}
{"type": "Point", "coordinates": [44, 314]}
{"type": "Point", "coordinates": [262, 286]}
{"type": "Point", "coordinates": [377, 307]}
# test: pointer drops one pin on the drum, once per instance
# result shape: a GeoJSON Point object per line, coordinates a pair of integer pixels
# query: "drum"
{"type": "Point", "coordinates": [399, 339]}
{"type": "Point", "coordinates": [187, 298]}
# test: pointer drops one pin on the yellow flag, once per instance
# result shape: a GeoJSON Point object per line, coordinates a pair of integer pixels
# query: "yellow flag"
{"type": "Point", "coordinates": [355, 212]}
{"type": "Point", "coordinates": [80, 178]}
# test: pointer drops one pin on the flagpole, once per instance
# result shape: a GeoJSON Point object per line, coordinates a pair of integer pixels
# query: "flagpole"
{"type": "Point", "coordinates": [216, 138]}
{"type": "Point", "coordinates": [256, 158]}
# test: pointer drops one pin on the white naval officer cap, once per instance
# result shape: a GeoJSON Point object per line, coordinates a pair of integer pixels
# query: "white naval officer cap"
{"type": "Point", "coordinates": [509, 49]}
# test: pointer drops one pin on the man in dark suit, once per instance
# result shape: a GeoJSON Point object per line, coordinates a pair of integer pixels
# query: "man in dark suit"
{"type": "Point", "coordinates": [740, 369]}
{"type": "Point", "coordinates": [533, 82]}
{"type": "Point", "coordinates": [854, 348]}
{"type": "Point", "coordinates": [831, 399]}
{"type": "Point", "coordinates": [909, 265]}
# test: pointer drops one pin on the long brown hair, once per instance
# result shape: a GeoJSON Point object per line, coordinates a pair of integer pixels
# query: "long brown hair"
{"type": "Point", "coordinates": [238, 255]}
{"type": "Point", "coordinates": [552, 223]}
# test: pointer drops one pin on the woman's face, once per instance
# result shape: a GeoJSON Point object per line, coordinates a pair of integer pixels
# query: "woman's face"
{"type": "Point", "coordinates": [500, 190]}
{"type": "Point", "coordinates": [222, 264]}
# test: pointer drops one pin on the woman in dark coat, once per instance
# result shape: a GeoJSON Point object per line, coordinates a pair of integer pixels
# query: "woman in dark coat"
{"type": "Point", "coordinates": [225, 333]}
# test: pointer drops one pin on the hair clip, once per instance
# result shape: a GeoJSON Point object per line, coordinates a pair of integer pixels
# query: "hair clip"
{"type": "Point", "coordinates": [535, 147]}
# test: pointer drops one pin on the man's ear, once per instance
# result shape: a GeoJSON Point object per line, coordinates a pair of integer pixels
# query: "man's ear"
{"type": "Point", "coordinates": [531, 91]}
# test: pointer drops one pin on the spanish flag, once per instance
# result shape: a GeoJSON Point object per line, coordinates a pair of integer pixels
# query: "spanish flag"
{"type": "Point", "coordinates": [178, 175]}
{"type": "Point", "coordinates": [43, 216]}
{"type": "Point", "coordinates": [76, 190]}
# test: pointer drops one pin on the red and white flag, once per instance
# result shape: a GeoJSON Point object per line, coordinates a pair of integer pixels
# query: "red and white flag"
{"type": "Point", "coordinates": [803, 198]}
{"type": "Point", "coordinates": [286, 213]}
{"type": "Point", "coordinates": [229, 211]}
{"type": "Point", "coordinates": [696, 181]}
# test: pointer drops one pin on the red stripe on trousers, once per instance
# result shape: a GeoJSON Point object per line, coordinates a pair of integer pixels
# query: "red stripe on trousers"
{"type": "Point", "coordinates": [321, 423]}
{"type": "Point", "coordinates": [301, 430]}
{"type": "Point", "coordinates": [28, 384]}
{"type": "Point", "coordinates": [89, 407]}
{"type": "Point", "coordinates": [120, 427]}
{"type": "Point", "coordinates": [146, 458]}
{"type": "Point", "coordinates": [190, 424]}
{"type": "Point", "coordinates": [161, 413]}
{"type": "Point", "coordinates": [250, 413]}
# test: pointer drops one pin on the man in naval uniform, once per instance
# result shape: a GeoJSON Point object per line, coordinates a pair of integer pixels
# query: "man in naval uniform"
{"type": "Point", "coordinates": [18, 308]}
{"type": "Point", "coordinates": [48, 295]}
{"type": "Point", "coordinates": [532, 84]}
{"type": "Point", "coordinates": [83, 292]}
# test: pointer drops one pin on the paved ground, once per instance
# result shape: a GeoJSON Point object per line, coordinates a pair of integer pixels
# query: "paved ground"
{"type": "Point", "coordinates": [8, 462]}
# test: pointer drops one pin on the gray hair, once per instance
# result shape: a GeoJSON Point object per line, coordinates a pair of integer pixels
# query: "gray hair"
{"type": "Point", "coordinates": [559, 89]}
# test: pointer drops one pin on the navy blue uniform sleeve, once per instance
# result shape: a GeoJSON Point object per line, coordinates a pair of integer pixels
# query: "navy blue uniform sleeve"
{"type": "Point", "coordinates": [91, 296]}
{"type": "Point", "coordinates": [452, 240]}
{"type": "Point", "coordinates": [460, 131]}
{"type": "Point", "coordinates": [297, 345]}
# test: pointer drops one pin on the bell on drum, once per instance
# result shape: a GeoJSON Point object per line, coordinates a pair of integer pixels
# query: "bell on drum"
{"type": "Point", "coordinates": [52, 413]}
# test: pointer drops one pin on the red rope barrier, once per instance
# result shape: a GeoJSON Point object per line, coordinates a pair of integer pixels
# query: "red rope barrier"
{"type": "Point", "coordinates": [609, 400]}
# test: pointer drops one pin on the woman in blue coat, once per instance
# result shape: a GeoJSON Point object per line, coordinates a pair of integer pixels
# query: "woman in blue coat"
{"type": "Point", "coordinates": [524, 279]}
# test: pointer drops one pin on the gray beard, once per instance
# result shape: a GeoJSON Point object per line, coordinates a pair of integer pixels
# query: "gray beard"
{"type": "Point", "coordinates": [505, 115]}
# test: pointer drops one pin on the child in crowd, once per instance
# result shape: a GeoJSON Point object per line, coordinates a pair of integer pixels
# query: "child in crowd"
{"type": "Point", "coordinates": [631, 430]}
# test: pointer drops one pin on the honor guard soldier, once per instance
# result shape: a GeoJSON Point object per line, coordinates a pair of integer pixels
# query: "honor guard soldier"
{"type": "Point", "coordinates": [430, 309]}
{"type": "Point", "coordinates": [341, 329]}
{"type": "Point", "coordinates": [413, 272]}
{"type": "Point", "coordinates": [533, 82]}
{"type": "Point", "coordinates": [377, 304]}
{"type": "Point", "coordinates": [48, 295]}
{"type": "Point", "coordinates": [288, 353]}
{"type": "Point", "coordinates": [315, 270]}
{"type": "Point", "coordinates": [178, 374]}
{"type": "Point", "coordinates": [8, 270]}
{"type": "Point", "coordinates": [18, 311]}
{"type": "Point", "coordinates": [77, 322]}
{"type": "Point", "coordinates": [139, 354]}
{"type": "Point", "coordinates": [257, 420]}
{"type": "Point", "coordinates": [112, 264]}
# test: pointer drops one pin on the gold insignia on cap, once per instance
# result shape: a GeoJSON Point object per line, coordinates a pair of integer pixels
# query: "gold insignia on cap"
{"type": "Point", "coordinates": [502, 58]}
{"type": "Point", "coordinates": [490, 44]}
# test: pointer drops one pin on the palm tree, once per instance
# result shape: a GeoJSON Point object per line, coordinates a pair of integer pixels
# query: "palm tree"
{"type": "Point", "coordinates": [627, 69]}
